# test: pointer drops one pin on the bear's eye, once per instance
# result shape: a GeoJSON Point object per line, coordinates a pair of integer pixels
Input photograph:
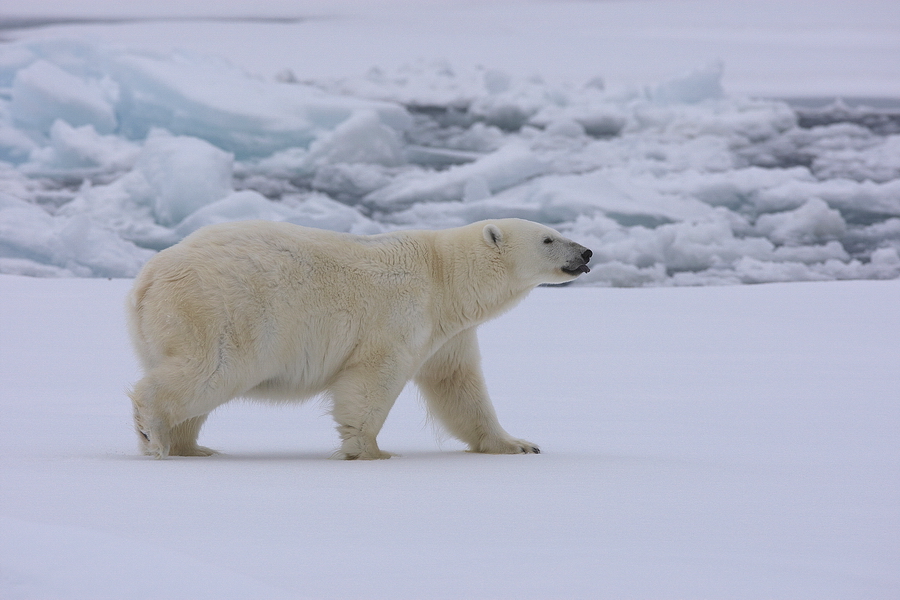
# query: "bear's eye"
{"type": "Point", "coordinates": [548, 240]}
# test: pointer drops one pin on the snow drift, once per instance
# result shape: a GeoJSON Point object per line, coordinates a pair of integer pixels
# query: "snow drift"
{"type": "Point", "coordinates": [109, 154]}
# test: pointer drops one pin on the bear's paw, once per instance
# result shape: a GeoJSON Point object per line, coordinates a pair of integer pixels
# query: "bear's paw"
{"type": "Point", "coordinates": [507, 446]}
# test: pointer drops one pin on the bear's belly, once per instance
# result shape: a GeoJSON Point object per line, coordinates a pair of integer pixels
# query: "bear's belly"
{"type": "Point", "coordinates": [286, 389]}
{"type": "Point", "coordinates": [297, 371]}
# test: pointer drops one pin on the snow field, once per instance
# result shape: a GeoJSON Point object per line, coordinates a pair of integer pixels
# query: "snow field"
{"type": "Point", "coordinates": [700, 442]}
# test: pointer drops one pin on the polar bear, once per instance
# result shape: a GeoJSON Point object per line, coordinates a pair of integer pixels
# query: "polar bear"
{"type": "Point", "coordinates": [277, 311]}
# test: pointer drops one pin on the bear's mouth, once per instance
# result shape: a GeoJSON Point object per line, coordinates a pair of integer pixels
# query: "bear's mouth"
{"type": "Point", "coordinates": [580, 263]}
{"type": "Point", "coordinates": [576, 270]}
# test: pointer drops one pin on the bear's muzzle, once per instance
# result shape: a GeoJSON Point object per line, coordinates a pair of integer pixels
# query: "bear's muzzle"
{"type": "Point", "coordinates": [579, 265]}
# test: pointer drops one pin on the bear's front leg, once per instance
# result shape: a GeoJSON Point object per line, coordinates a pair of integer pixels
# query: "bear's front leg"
{"type": "Point", "coordinates": [453, 386]}
{"type": "Point", "coordinates": [363, 397]}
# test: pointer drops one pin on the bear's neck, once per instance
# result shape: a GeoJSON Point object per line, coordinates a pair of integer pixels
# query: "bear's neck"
{"type": "Point", "coordinates": [473, 285]}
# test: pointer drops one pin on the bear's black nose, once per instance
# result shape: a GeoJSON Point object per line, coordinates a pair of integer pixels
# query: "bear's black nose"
{"type": "Point", "coordinates": [586, 255]}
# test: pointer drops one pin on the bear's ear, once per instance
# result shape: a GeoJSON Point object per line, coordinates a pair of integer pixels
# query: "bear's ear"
{"type": "Point", "coordinates": [492, 235]}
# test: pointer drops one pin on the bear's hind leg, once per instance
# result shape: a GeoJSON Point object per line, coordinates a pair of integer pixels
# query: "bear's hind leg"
{"type": "Point", "coordinates": [168, 418]}
{"type": "Point", "coordinates": [184, 438]}
{"type": "Point", "coordinates": [153, 431]}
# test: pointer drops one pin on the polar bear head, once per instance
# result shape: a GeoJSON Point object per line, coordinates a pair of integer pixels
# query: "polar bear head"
{"type": "Point", "coordinates": [534, 253]}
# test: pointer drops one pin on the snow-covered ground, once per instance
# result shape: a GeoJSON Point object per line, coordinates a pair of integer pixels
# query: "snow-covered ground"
{"type": "Point", "coordinates": [707, 442]}
{"type": "Point", "coordinates": [648, 130]}
{"type": "Point", "coordinates": [702, 442]}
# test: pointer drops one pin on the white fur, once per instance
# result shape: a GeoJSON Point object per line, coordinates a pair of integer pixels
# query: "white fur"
{"type": "Point", "coordinates": [282, 312]}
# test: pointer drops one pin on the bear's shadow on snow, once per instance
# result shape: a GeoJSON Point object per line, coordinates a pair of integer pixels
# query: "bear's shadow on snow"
{"type": "Point", "coordinates": [264, 456]}
{"type": "Point", "coordinates": [249, 456]}
{"type": "Point", "coordinates": [331, 455]}
{"type": "Point", "coordinates": [261, 456]}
